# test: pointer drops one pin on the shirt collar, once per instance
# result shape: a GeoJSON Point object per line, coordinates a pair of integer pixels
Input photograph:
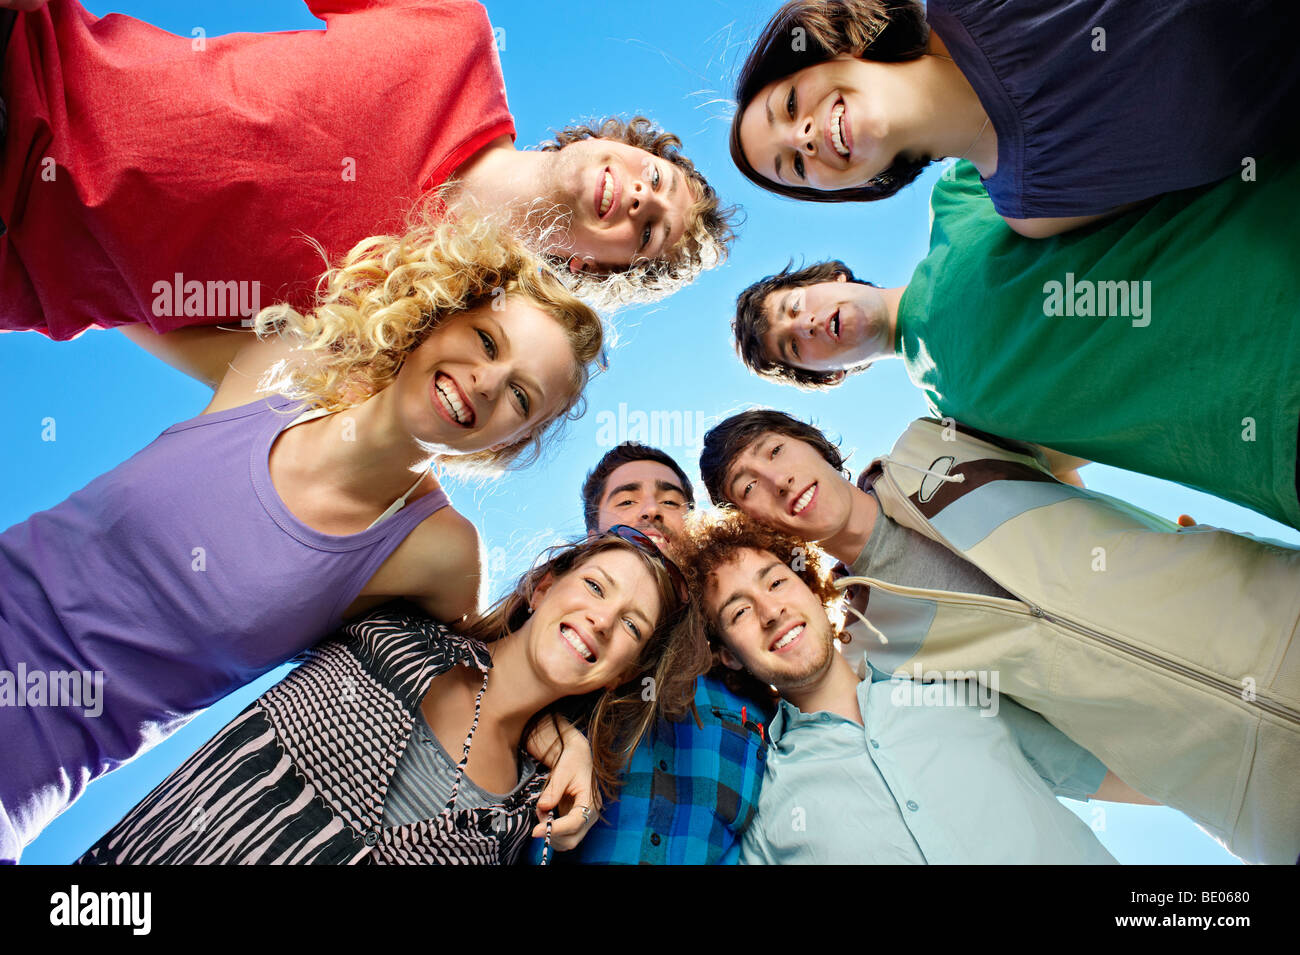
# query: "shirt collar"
{"type": "Point", "coordinates": [789, 717]}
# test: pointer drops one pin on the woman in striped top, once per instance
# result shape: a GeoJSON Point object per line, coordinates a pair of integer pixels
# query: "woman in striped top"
{"type": "Point", "coordinates": [347, 760]}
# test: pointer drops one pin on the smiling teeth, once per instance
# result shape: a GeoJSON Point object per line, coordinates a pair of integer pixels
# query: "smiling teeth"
{"type": "Point", "coordinates": [803, 499]}
{"type": "Point", "coordinates": [790, 635]}
{"type": "Point", "coordinates": [609, 194]}
{"type": "Point", "coordinates": [837, 132]}
{"type": "Point", "coordinates": [452, 403]}
{"type": "Point", "coordinates": [577, 644]}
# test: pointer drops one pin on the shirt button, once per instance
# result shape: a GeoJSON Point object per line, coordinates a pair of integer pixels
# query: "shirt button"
{"type": "Point", "coordinates": [654, 839]}
{"type": "Point", "coordinates": [875, 745]}
{"type": "Point", "coordinates": [912, 805]}
{"type": "Point", "coordinates": [371, 838]}
{"type": "Point", "coordinates": [663, 764]}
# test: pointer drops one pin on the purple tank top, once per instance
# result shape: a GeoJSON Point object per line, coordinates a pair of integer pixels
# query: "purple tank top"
{"type": "Point", "coordinates": [180, 575]}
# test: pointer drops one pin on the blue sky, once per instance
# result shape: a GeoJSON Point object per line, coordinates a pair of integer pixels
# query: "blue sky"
{"type": "Point", "coordinates": [673, 61]}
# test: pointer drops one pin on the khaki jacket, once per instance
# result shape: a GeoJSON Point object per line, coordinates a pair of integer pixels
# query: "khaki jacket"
{"type": "Point", "coordinates": [1169, 652]}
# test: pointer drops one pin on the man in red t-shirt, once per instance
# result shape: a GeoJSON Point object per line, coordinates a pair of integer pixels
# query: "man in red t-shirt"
{"type": "Point", "coordinates": [148, 177]}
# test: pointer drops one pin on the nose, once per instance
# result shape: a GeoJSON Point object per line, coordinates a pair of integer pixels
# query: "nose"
{"type": "Point", "coordinates": [486, 380]}
{"type": "Point", "coordinates": [770, 610]}
{"type": "Point", "coordinates": [802, 326]}
{"type": "Point", "coordinates": [649, 512]}
{"type": "Point", "coordinates": [645, 201]}
{"type": "Point", "coordinates": [601, 619]}
{"type": "Point", "coordinates": [802, 136]}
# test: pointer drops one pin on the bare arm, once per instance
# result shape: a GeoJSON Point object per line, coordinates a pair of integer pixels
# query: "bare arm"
{"type": "Point", "coordinates": [203, 352]}
{"type": "Point", "coordinates": [438, 566]}
{"type": "Point", "coordinates": [1064, 467]}
{"type": "Point", "coordinates": [1114, 789]}
{"type": "Point", "coordinates": [1047, 227]}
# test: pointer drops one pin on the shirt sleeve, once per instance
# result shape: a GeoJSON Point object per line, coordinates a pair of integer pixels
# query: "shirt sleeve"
{"type": "Point", "coordinates": [1067, 768]}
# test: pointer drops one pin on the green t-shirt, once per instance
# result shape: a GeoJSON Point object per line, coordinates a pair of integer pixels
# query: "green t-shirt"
{"type": "Point", "coordinates": [1165, 341]}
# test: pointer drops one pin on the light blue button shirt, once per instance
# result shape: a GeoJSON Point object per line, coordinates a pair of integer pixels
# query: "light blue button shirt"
{"type": "Point", "coordinates": [926, 779]}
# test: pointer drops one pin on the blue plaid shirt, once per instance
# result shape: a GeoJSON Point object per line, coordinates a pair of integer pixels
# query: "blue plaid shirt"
{"type": "Point", "coordinates": [688, 793]}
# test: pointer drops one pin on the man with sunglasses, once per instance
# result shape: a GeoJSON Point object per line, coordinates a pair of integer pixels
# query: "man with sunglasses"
{"type": "Point", "coordinates": [691, 788]}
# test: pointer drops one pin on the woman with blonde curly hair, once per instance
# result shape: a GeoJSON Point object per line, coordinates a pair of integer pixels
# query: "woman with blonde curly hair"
{"type": "Point", "coordinates": [300, 497]}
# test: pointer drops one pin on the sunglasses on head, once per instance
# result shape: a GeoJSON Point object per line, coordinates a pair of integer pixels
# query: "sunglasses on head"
{"type": "Point", "coordinates": [645, 544]}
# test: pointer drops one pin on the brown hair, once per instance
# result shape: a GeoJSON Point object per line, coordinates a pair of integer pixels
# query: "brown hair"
{"type": "Point", "coordinates": [614, 720]}
{"type": "Point", "coordinates": [751, 324]}
{"type": "Point", "coordinates": [712, 541]}
{"type": "Point", "coordinates": [886, 31]}
{"type": "Point", "coordinates": [708, 232]}
{"type": "Point", "coordinates": [726, 440]}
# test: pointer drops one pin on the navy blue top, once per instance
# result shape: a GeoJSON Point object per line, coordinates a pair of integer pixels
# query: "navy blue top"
{"type": "Point", "coordinates": [1182, 92]}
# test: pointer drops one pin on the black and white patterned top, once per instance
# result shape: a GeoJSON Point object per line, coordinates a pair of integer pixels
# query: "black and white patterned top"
{"type": "Point", "coordinates": [300, 776]}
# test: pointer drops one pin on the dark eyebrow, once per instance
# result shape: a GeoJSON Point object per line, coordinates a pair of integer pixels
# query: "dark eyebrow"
{"type": "Point", "coordinates": [662, 486]}
{"type": "Point", "coordinates": [771, 121]}
{"type": "Point", "coordinates": [737, 595]}
{"type": "Point", "coordinates": [530, 383]}
{"type": "Point", "coordinates": [623, 489]}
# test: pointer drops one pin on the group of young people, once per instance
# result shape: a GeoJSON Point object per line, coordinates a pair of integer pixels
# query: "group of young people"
{"type": "Point", "coordinates": [676, 686]}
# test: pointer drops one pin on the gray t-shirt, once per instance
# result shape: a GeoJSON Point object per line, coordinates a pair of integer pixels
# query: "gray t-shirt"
{"type": "Point", "coordinates": [899, 555]}
{"type": "Point", "coordinates": [421, 783]}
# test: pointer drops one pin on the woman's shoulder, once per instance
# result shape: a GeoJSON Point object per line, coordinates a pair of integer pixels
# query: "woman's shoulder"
{"type": "Point", "coordinates": [440, 564]}
{"type": "Point", "coordinates": [400, 633]}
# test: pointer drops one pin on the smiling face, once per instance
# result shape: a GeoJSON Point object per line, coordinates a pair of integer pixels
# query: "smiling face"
{"type": "Point", "coordinates": [646, 495]}
{"type": "Point", "coordinates": [485, 378]}
{"type": "Point", "coordinates": [825, 127]}
{"type": "Point", "coordinates": [783, 482]}
{"type": "Point", "coordinates": [772, 624]}
{"type": "Point", "coordinates": [626, 204]}
{"type": "Point", "coordinates": [830, 326]}
{"type": "Point", "coordinates": [589, 625]}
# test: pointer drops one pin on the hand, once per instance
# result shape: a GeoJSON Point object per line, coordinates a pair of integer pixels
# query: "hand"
{"type": "Point", "coordinates": [570, 790]}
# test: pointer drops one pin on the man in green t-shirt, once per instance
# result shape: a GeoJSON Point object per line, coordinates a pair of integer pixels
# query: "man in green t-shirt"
{"type": "Point", "coordinates": [1163, 341]}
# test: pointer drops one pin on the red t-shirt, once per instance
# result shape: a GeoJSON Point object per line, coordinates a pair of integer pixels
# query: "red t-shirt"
{"type": "Point", "coordinates": [146, 179]}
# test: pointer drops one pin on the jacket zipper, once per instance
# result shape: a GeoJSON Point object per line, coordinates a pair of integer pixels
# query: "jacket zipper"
{"type": "Point", "coordinates": [1215, 683]}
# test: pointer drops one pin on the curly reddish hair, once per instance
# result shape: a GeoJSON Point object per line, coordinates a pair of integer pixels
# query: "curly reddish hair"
{"type": "Point", "coordinates": [711, 541]}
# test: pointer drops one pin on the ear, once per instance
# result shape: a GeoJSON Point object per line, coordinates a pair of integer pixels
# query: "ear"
{"type": "Point", "coordinates": [540, 590]}
{"type": "Point", "coordinates": [730, 660]}
{"type": "Point", "coordinates": [835, 377]}
{"type": "Point", "coordinates": [579, 263]}
{"type": "Point", "coordinates": [841, 277]}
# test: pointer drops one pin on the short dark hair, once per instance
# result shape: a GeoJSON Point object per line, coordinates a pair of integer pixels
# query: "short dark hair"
{"type": "Point", "coordinates": [710, 226]}
{"type": "Point", "coordinates": [887, 31]}
{"type": "Point", "coordinates": [751, 323]}
{"type": "Point", "coordinates": [725, 441]}
{"type": "Point", "coordinates": [593, 488]}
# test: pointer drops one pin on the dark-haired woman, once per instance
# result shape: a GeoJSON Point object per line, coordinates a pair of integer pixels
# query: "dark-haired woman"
{"type": "Point", "coordinates": [400, 742]}
{"type": "Point", "coordinates": [1070, 110]}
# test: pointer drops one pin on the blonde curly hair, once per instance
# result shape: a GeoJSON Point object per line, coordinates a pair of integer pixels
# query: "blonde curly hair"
{"type": "Point", "coordinates": [389, 292]}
